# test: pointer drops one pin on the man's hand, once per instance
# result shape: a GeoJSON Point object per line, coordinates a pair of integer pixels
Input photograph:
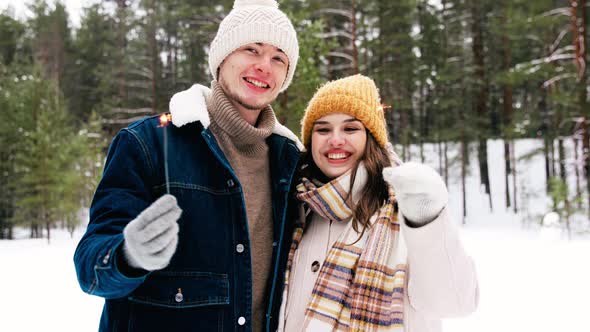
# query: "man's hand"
{"type": "Point", "coordinates": [421, 193]}
{"type": "Point", "coordinates": [151, 238]}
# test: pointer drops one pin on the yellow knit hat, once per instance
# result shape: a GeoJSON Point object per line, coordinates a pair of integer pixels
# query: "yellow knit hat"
{"type": "Point", "coordinates": [356, 96]}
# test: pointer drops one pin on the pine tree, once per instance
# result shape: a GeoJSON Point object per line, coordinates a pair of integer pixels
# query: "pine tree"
{"type": "Point", "coordinates": [42, 152]}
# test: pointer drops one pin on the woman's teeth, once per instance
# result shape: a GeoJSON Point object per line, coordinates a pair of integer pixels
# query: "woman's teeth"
{"type": "Point", "coordinates": [337, 155]}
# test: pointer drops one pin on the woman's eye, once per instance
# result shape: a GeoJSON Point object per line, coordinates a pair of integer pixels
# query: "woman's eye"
{"type": "Point", "coordinates": [279, 59]}
{"type": "Point", "coordinates": [322, 130]}
{"type": "Point", "coordinates": [351, 129]}
{"type": "Point", "coordinates": [251, 50]}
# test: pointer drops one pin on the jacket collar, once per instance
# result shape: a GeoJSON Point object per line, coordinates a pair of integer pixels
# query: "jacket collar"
{"type": "Point", "coordinates": [190, 106]}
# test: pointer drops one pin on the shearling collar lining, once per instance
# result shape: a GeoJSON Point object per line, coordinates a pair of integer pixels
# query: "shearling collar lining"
{"type": "Point", "coordinates": [189, 106]}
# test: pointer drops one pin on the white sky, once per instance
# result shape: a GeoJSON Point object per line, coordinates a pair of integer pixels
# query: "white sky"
{"type": "Point", "coordinates": [74, 8]}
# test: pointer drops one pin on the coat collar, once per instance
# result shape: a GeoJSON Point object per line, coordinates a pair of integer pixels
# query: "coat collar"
{"type": "Point", "coordinates": [190, 106]}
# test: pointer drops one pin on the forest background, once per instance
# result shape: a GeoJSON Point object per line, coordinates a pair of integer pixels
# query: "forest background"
{"type": "Point", "coordinates": [450, 73]}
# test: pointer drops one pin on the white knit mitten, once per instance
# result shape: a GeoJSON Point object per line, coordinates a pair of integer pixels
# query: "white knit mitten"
{"type": "Point", "coordinates": [421, 193]}
{"type": "Point", "coordinates": [151, 238]}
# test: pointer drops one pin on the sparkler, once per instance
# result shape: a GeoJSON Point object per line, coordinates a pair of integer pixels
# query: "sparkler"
{"type": "Point", "coordinates": [165, 119]}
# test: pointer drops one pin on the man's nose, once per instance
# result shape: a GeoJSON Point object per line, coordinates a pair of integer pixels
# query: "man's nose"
{"type": "Point", "coordinates": [263, 64]}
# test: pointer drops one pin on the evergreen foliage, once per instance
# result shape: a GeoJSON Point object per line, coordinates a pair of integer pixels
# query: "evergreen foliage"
{"type": "Point", "coordinates": [451, 71]}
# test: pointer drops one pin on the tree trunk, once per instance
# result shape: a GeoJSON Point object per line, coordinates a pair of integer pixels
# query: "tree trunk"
{"type": "Point", "coordinates": [514, 173]}
{"type": "Point", "coordinates": [446, 161]}
{"type": "Point", "coordinates": [482, 154]}
{"type": "Point", "coordinates": [355, 53]}
{"type": "Point", "coordinates": [440, 157]}
{"type": "Point", "coordinates": [586, 157]}
{"type": "Point", "coordinates": [48, 229]}
{"type": "Point", "coordinates": [464, 156]}
{"type": "Point", "coordinates": [481, 94]}
{"type": "Point", "coordinates": [122, 33]}
{"type": "Point", "coordinates": [563, 175]}
{"type": "Point", "coordinates": [582, 62]}
{"type": "Point", "coordinates": [507, 171]}
{"type": "Point", "coordinates": [507, 101]}
{"type": "Point", "coordinates": [153, 45]}
{"type": "Point", "coordinates": [577, 173]}
{"type": "Point", "coordinates": [548, 173]}
{"type": "Point", "coordinates": [545, 132]}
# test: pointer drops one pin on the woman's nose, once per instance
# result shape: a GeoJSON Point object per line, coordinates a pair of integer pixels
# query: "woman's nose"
{"type": "Point", "coordinates": [336, 139]}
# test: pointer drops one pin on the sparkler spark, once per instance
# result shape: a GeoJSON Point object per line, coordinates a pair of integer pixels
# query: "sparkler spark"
{"type": "Point", "coordinates": [165, 119]}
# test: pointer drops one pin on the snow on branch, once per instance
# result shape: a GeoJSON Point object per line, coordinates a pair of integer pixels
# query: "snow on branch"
{"type": "Point", "coordinates": [557, 78]}
{"type": "Point", "coordinates": [341, 55]}
{"type": "Point", "coordinates": [555, 56]}
{"type": "Point", "coordinates": [337, 33]}
{"type": "Point", "coordinates": [131, 111]}
{"type": "Point", "coordinates": [559, 38]}
{"type": "Point", "coordinates": [123, 121]}
{"type": "Point", "coordinates": [342, 12]}
{"type": "Point", "coordinates": [558, 11]}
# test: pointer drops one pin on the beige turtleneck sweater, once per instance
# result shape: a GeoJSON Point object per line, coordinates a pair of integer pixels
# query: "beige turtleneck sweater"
{"type": "Point", "coordinates": [246, 150]}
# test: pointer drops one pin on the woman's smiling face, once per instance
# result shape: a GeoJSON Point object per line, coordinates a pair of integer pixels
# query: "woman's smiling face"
{"type": "Point", "coordinates": [337, 143]}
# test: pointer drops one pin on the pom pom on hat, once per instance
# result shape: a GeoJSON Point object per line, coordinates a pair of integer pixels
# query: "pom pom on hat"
{"type": "Point", "coordinates": [255, 21]}
{"type": "Point", "coordinates": [269, 3]}
{"type": "Point", "coordinates": [356, 96]}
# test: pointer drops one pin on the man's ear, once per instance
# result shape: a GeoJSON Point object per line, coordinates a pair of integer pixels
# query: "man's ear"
{"type": "Point", "coordinates": [219, 69]}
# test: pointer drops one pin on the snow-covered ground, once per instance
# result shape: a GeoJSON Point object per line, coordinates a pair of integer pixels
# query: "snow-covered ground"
{"type": "Point", "coordinates": [531, 278]}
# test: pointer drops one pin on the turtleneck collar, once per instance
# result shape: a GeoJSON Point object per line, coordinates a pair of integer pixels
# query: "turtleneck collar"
{"type": "Point", "coordinates": [226, 119]}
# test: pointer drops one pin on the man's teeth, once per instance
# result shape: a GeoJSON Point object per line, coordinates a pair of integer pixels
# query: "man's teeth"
{"type": "Point", "coordinates": [257, 83]}
{"type": "Point", "coordinates": [336, 155]}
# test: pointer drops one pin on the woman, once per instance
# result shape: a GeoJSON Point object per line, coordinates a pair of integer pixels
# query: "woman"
{"type": "Point", "coordinates": [356, 262]}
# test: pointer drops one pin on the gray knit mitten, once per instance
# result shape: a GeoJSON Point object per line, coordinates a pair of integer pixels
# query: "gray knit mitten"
{"type": "Point", "coordinates": [151, 238]}
{"type": "Point", "coordinates": [421, 193]}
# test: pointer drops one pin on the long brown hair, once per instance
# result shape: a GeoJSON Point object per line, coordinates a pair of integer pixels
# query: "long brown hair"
{"type": "Point", "coordinates": [374, 193]}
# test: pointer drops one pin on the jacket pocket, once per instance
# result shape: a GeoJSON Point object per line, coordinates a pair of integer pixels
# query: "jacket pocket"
{"type": "Point", "coordinates": [180, 301]}
{"type": "Point", "coordinates": [183, 289]}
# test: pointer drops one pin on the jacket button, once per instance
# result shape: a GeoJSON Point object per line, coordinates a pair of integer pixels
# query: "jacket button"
{"type": "Point", "coordinates": [241, 321]}
{"type": "Point", "coordinates": [315, 266]}
{"type": "Point", "coordinates": [230, 183]}
{"type": "Point", "coordinates": [179, 297]}
{"type": "Point", "coordinates": [240, 248]}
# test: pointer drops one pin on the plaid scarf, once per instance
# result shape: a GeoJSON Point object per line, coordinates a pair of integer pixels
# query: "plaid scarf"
{"type": "Point", "coordinates": [361, 285]}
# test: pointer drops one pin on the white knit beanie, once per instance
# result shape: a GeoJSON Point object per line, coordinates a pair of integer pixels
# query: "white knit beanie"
{"type": "Point", "coordinates": [255, 21]}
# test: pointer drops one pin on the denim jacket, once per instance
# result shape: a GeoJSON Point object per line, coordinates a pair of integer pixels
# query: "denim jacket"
{"type": "Point", "coordinates": [208, 284]}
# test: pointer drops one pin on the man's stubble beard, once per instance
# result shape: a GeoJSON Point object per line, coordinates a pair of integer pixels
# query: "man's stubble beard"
{"type": "Point", "coordinates": [234, 97]}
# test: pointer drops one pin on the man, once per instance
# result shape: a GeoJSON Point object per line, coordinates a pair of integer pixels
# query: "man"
{"type": "Point", "coordinates": [211, 255]}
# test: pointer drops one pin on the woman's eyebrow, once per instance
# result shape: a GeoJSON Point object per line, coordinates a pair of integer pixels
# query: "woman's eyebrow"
{"type": "Point", "coordinates": [319, 122]}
